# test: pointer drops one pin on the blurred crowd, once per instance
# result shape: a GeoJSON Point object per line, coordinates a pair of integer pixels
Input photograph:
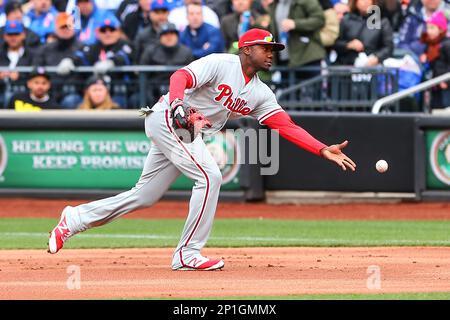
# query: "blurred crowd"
{"type": "Point", "coordinates": [104, 34]}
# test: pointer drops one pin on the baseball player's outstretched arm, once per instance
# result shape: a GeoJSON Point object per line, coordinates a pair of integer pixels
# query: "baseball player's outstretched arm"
{"type": "Point", "coordinates": [283, 123]}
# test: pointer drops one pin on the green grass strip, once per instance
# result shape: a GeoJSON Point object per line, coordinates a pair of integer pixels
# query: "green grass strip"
{"type": "Point", "coordinates": [356, 296]}
{"type": "Point", "coordinates": [32, 233]}
{"type": "Point", "coordinates": [380, 296]}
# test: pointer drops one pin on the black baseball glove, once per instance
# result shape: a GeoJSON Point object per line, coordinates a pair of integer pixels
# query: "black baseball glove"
{"type": "Point", "coordinates": [187, 121]}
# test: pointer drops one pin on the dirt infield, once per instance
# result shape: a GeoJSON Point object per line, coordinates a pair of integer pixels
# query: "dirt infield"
{"type": "Point", "coordinates": [140, 273]}
{"type": "Point", "coordinates": [17, 207]}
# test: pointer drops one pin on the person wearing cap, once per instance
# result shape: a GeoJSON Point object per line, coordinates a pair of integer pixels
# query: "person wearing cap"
{"type": "Point", "coordinates": [38, 97]}
{"type": "Point", "coordinates": [13, 53]}
{"type": "Point", "coordinates": [96, 95]}
{"type": "Point", "coordinates": [109, 51]}
{"type": "Point", "coordinates": [137, 20]}
{"type": "Point", "coordinates": [42, 18]}
{"type": "Point", "coordinates": [90, 17]}
{"type": "Point", "coordinates": [414, 24]}
{"type": "Point", "coordinates": [167, 52]}
{"type": "Point", "coordinates": [202, 38]}
{"type": "Point", "coordinates": [433, 36]}
{"type": "Point", "coordinates": [437, 56]}
{"type": "Point", "coordinates": [62, 54]}
{"type": "Point", "coordinates": [219, 86]}
{"type": "Point", "coordinates": [13, 12]}
{"type": "Point", "coordinates": [159, 13]}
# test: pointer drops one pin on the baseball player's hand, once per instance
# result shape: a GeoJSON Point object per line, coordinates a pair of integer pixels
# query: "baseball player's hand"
{"type": "Point", "coordinates": [175, 104]}
{"type": "Point", "coordinates": [187, 119]}
{"type": "Point", "coordinates": [334, 153]}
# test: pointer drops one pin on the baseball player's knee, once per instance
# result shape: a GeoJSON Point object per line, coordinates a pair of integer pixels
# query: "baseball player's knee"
{"type": "Point", "coordinates": [145, 198]}
{"type": "Point", "coordinates": [215, 177]}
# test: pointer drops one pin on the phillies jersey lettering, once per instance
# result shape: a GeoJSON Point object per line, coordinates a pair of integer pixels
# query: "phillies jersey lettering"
{"type": "Point", "coordinates": [238, 105]}
{"type": "Point", "coordinates": [219, 91]}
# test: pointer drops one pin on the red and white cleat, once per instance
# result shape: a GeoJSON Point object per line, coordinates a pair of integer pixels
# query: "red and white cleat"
{"type": "Point", "coordinates": [201, 263]}
{"type": "Point", "coordinates": [59, 234]}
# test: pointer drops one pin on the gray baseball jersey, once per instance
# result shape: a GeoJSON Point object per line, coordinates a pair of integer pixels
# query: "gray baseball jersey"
{"type": "Point", "coordinates": [219, 91]}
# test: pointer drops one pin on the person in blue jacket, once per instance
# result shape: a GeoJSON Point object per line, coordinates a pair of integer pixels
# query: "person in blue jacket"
{"type": "Point", "coordinates": [90, 19]}
{"type": "Point", "coordinates": [202, 38]}
{"type": "Point", "coordinates": [109, 51]}
{"type": "Point", "coordinates": [42, 18]}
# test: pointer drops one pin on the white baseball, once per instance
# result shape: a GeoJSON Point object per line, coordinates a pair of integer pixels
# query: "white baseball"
{"type": "Point", "coordinates": [381, 166]}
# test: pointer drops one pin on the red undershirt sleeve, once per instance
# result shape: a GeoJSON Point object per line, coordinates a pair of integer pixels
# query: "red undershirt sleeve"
{"type": "Point", "coordinates": [282, 122]}
{"type": "Point", "coordinates": [180, 80]}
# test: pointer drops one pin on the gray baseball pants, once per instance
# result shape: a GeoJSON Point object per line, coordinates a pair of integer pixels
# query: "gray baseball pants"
{"type": "Point", "coordinates": [167, 158]}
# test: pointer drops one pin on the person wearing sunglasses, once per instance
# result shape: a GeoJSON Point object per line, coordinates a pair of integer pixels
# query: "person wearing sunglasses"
{"type": "Point", "coordinates": [90, 17]}
{"type": "Point", "coordinates": [110, 50]}
{"type": "Point", "coordinates": [14, 12]}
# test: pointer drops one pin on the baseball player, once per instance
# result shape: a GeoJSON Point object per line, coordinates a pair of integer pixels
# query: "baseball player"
{"type": "Point", "coordinates": [218, 86]}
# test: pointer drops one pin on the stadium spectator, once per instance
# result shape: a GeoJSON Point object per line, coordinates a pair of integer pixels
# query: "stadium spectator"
{"type": "Point", "coordinates": [330, 31]}
{"type": "Point", "coordinates": [38, 96]}
{"type": "Point", "coordinates": [437, 55]}
{"type": "Point", "coordinates": [13, 12]}
{"type": "Point", "coordinates": [178, 16]}
{"type": "Point", "coordinates": [356, 37]}
{"type": "Point", "coordinates": [202, 38]}
{"type": "Point", "coordinates": [62, 53]}
{"type": "Point", "coordinates": [341, 9]}
{"type": "Point", "coordinates": [415, 23]}
{"type": "Point", "coordinates": [109, 51]}
{"type": "Point", "coordinates": [91, 17]}
{"type": "Point", "coordinates": [168, 52]}
{"type": "Point", "coordinates": [97, 96]}
{"type": "Point", "coordinates": [297, 24]}
{"type": "Point", "coordinates": [139, 19]}
{"type": "Point", "coordinates": [42, 18]}
{"type": "Point", "coordinates": [234, 24]}
{"type": "Point", "coordinates": [13, 53]}
{"type": "Point", "coordinates": [392, 10]}
{"type": "Point", "coordinates": [159, 13]}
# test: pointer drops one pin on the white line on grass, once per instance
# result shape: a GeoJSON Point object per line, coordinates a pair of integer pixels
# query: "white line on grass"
{"type": "Point", "coordinates": [250, 239]}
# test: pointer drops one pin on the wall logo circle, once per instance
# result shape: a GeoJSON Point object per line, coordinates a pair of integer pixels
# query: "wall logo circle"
{"type": "Point", "coordinates": [224, 148]}
{"type": "Point", "coordinates": [440, 157]}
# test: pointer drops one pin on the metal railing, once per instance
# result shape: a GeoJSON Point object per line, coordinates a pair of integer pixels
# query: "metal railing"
{"type": "Point", "coordinates": [407, 92]}
{"type": "Point", "coordinates": [340, 89]}
{"type": "Point", "coordinates": [332, 89]}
